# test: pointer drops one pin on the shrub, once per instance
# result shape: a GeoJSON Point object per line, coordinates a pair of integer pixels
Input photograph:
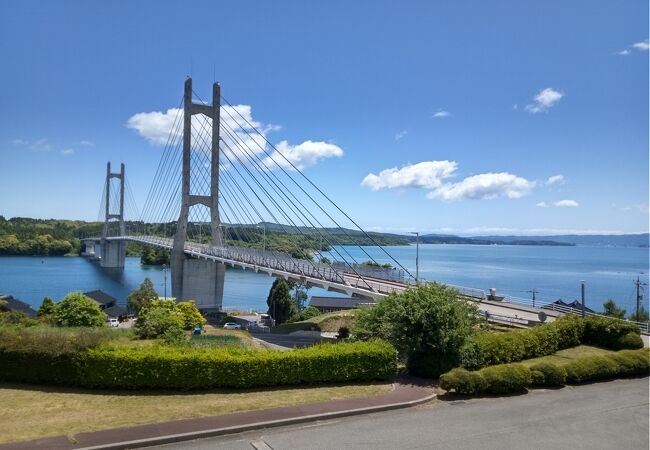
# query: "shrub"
{"type": "Point", "coordinates": [344, 333]}
{"type": "Point", "coordinates": [486, 349]}
{"type": "Point", "coordinates": [77, 310]}
{"type": "Point", "coordinates": [610, 333]}
{"type": "Point", "coordinates": [158, 317]}
{"type": "Point", "coordinates": [427, 325]}
{"type": "Point", "coordinates": [45, 354]}
{"type": "Point", "coordinates": [463, 381]}
{"type": "Point", "coordinates": [506, 378]}
{"type": "Point", "coordinates": [190, 315]}
{"type": "Point", "coordinates": [548, 374]}
{"type": "Point", "coordinates": [308, 313]}
{"type": "Point", "coordinates": [162, 367]}
{"type": "Point", "coordinates": [590, 368]}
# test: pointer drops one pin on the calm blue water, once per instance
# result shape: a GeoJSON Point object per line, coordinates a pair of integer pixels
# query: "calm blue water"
{"type": "Point", "coordinates": [554, 271]}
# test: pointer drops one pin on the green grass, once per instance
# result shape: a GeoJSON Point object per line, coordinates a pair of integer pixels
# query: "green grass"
{"type": "Point", "coordinates": [216, 341]}
{"type": "Point", "coordinates": [564, 356]}
{"type": "Point", "coordinates": [329, 322]}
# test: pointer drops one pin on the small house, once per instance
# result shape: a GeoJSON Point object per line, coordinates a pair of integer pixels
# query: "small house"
{"type": "Point", "coordinates": [107, 303]}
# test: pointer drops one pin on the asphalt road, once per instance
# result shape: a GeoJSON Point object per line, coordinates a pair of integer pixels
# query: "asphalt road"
{"type": "Point", "coordinates": [612, 415]}
{"type": "Point", "coordinates": [287, 340]}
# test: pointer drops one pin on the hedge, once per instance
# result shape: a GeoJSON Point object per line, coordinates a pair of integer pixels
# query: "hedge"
{"type": "Point", "coordinates": [164, 367]}
{"type": "Point", "coordinates": [486, 349]}
{"type": "Point", "coordinates": [508, 378]}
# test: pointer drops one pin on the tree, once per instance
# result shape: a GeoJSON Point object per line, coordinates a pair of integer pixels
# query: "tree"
{"type": "Point", "coordinates": [77, 310]}
{"type": "Point", "coordinates": [299, 294]}
{"type": "Point", "coordinates": [643, 315]}
{"type": "Point", "coordinates": [138, 298]}
{"type": "Point", "coordinates": [158, 317]}
{"type": "Point", "coordinates": [190, 314]}
{"type": "Point", "coordinates": [281, 306]}
{"type": "Point", "coordinates": [306, 314]}
{"type": "Point", "coordinates": [613, 310]}
{"type": "Point", "coordinates": [47, 309]}
{"type": "Point", "coordinates": [427, 325]}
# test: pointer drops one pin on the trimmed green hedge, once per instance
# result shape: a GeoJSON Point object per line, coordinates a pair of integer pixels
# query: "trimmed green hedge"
{"type": "Point", "coordinates": [486, 349]}
{"type": "Point", "coordinates": [508, 378]}
{"type": "Point", "coordinates": [164, 367]}
{"type": "Point", "coordinates": [547, 374]}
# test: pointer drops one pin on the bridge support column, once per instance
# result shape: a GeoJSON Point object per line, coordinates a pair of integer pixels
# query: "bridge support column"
{"type": "Point", "coordinates": [113, 253]}
{"type": "Point", "coordinates": [193, 279]}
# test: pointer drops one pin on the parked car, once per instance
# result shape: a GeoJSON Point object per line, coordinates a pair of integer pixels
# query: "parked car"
{"type": "Point", "coordinates": [232, 326]}
{"type": "Point", "coordinates": [113, 323]}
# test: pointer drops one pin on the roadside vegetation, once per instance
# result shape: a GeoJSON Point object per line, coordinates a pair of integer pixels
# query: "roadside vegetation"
{"type": "Point", "coordinates": [48, 411]}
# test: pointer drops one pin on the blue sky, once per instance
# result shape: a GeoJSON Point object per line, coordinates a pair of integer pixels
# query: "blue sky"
{"type": "Point", "coordinates": [460, 117]}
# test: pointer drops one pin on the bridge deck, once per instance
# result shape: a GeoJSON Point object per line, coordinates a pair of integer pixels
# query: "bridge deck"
{"type": "Point", "coordinates": [324, 276]}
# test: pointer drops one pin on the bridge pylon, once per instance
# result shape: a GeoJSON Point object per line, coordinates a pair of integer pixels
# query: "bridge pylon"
{"type": "Point", "coordinates": [197, 279]}
{"type": "Point", "coordinates": [113, 253]}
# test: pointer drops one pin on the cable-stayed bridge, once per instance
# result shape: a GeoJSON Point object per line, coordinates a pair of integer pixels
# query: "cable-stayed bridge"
{"type": "Point", "coordinates": [223, 194]}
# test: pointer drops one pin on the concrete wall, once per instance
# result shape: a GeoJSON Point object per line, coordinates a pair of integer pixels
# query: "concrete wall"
{"type": "Point", "coordinates": [203, 282]}
{"type": "Point", "coordinates": [113, 254]}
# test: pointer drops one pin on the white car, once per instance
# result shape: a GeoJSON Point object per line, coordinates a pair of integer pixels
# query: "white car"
{"type": "Point", "coordinates": [232, 326]}
{"type": "Point", "coordinates": [113, 323]}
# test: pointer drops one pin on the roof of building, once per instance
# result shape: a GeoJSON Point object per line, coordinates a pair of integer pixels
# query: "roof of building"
{"type": "Point", "coordinates": [100, 297]}
{"type": "Point", "coordinates": [338, 302]}
{"type": "Point", "coordinates": [574, 304]}
{"type": "Point", "coordinates": [115, 311]}
{"type": "Point", "coordinates": [13, 304]}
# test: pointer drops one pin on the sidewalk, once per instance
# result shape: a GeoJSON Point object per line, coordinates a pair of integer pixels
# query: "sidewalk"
{"type": "Point", "coordinates": [406, 392]}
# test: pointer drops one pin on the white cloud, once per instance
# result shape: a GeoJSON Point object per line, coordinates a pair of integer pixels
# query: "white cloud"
{"type": "Point", "coordinates": [639, 207]}
{"type": "Point", "coordinates": [87, 143]}
{"type": "Point", "coordinates": [555, 179]}
{"type": "Point", "coordinates": [19, 142]}
{"type": "Point", "coordinates": [542, 205]}
{"type": "Point", "coordinates": [544, 100]}
{"type": "Point", "coordinates": [624, 52]}
{"type": "Point", "coordinates": [67, 151]}
{"type": "Point", "coordinates": [400, 135]}
{"type": "Point", "coordinates": [426, 174]}
{"type": "Point", "coordinates": [41, 145]}
{"type": "Point", "coordinates": [644, 46]}
{"type": "Point", "coordinates": [302, 155]}
{"type": "Point", "coordinates": [240, 140]}
{"type": "Point", "coordinates": [567, 204]}
{"type": "Point", "coordinates": [484, 186]}
{"type": "Point", "coordinates": [440, 114]}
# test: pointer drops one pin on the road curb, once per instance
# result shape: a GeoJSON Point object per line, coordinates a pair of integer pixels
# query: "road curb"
{"type": "Point", "coordinates": [168, 439]}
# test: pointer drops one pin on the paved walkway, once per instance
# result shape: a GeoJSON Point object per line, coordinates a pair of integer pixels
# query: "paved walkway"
{"type": "Point", "coordinates": [406, 392]}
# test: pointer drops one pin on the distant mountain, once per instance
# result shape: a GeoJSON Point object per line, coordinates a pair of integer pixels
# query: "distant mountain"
{"type": "Point", "coordinates": [610, 240]}
{"type": "Point", "coordinates": [489, 240]}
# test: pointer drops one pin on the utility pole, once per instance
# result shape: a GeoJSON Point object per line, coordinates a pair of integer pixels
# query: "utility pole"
{"type": "Point", "coordinates": [639, 286]}
{"type": "Point", "coordinates": [417, 256]}
{"type": "Point", "coordinates": [582, 294]}
{"type": "Point", "coordinates": [534, 291]}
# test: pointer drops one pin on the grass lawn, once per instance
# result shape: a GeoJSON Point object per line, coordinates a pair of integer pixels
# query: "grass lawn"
{"type": "Point", "coordinates": [30, 412]}
{"type": "Point", "coordinates": [329, 322]}
{"type": "Point", "coordinates": [566, 355]}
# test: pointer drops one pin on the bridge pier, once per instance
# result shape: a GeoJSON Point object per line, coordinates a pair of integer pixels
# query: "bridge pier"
{"type": "Point", "coordinates": [113, 254]}
{"type": "Point", "coordinates": [200, 280]}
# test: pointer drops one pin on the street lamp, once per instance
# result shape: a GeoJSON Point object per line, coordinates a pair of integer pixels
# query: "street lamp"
{"type": "Point", "coordinates": [417, 256]}
{"type": "Point", "coordinates": [165, 273]}
{"type": "Point", "coordinates": [264, 239]}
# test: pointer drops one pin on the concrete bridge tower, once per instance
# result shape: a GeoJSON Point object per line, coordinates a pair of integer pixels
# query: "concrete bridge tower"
{"type": "Point", "coordinates": [195, 279]}
{"type": "Point", "coordinates": [113, 253]}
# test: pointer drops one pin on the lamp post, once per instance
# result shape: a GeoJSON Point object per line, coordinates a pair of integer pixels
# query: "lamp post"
{"type": "Point", "coordinates": [417, 256]}
{"type": "Point", "coordinates": [165, 274]}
